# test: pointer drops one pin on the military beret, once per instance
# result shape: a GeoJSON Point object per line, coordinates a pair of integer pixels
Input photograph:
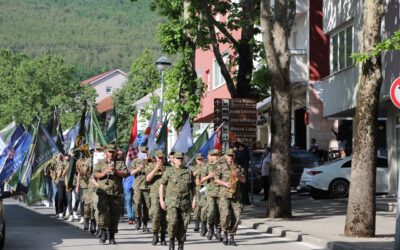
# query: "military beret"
{"type": "Point", "coordinates": [98, 146]}
{"type": "Point", "coordinates": [214, 152]}
{"type": "Point", "coordinates": [179, 155]}
{"type": "Point", "coordinates": [199, 156]}
{"type": "Point", "coordinates": [159, 153]}
{"type": "Point", "coordinates": [144, 149]}
{"type": "Point", "coordinates": [230, 151]}
{"type": "Point", "coordinates": [111, 147]}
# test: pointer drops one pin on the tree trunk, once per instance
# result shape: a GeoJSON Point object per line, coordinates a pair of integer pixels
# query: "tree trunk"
{"type": "Point", "coordinates": [276, 32]}
{"type": "Point", "coordinates": [360, 219]}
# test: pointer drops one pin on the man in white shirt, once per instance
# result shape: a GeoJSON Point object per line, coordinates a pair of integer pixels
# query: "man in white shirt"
{"type": "Point", "coordinates": [265, 171]}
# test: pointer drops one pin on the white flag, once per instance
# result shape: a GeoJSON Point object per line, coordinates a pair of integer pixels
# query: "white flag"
{"type": "Point", "coordinates": [185, 139]}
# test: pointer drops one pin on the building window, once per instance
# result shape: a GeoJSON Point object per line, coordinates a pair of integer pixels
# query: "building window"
{"type": "Point", "coordinates": [218, 79]}
{"type": "Point", "coordinates": [341, 49]}
{"type": "Point", "coordinates": [109, 90]}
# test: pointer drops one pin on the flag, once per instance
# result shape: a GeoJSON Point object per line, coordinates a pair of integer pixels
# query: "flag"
{"type": "Point", "coordinates": [111, 134]}
{"type": "Point", "coordinates": [69, 138]}
{"type": "Point", "coordinates": [78, 145]}
{"type": "Point", "coordinates": [150, 132]}
{"type": "Point", "coordinates": [132, 144]}
{"type": "Point", "coordinates": [95, 133]}
{"type": "Point", "coordinates": [184, 141]}
{"type": "Point", "coordinates": [213, 143]}
{"type": "Point", "coordinates": [162, 140]}
{"type": "Point", "coordinates": [12, 139]}
{"type": "Point", "coordinates": [16, 156]}
{"type": "Point", "coordinates": [201, 141]}
{"type": "Point", "coordinates": [7, 132]}
{"type": "Point", "coordinates": [55, 131]}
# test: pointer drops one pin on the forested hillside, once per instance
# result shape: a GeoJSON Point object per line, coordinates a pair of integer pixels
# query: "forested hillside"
{"type": "Point", "coordinates": [94, 34]}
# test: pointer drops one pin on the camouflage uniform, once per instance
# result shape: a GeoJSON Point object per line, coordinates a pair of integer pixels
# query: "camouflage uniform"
{"type": "Point", "coordinates": [110, 194]}
{"type": "Point", "coordinates": [179, 184]}
{"type": "Point", "coordinates": [141, 195]}
{"type": "Point", "coordinates": [212, 198]}
{"type": "Point", "coordinates": [197, 211]}
{"type": "Point", "coordinates": [230, 206]}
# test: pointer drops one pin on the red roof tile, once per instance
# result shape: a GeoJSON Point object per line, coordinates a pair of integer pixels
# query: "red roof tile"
{"type": "Point", "coordinates": [105, 105]}
{"type": "Point", "coordinates": [94, 78]}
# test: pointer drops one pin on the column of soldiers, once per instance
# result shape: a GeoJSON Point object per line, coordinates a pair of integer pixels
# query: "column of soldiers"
{"type": "Point", "coordinates": [164, 194]}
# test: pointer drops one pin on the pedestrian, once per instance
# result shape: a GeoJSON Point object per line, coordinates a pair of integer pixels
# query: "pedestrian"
{"type": "Point", "coordinates": [242, 158]}
{"type": "Point", "coordinates": [314, 147]}
{"type": "Point", "coordinates": [343, 136]}
{"type": "Point", "coordinates": [141, 190]}
{"type": "Point", "coordinates": [62, 168]}
{"type": "Point", "coordinates": [128, 183]}
{"type": "Point", "coordinates": [179, 187]}
{"type": "Point", "coordinates": [154, 173]}
{"type": "Point", "coordinates": [229, 178]}
{"type": "Point", "coordinates": [265, 172]}
{"type": "Point", "coordinates": [110, 191]}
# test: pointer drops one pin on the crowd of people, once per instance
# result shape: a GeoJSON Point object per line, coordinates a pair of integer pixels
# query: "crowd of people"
{"type": "Point", "coordinates": [164, 191]}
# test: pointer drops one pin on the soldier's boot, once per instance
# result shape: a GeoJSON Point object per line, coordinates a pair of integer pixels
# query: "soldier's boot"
{"type": "Point", "coordinates": [163, 242]}
{"type": "Point", "coordinates": [180, 245]}
{"type": "Point", "coordinates": [218, 234]}
{"type": "Point", "coordinates": [103, 236]}
{"type": "Point", "coordinates": [92, 226]}
{"type": "Point", "coordinates": [210, 233]}
{"type": "Point", "coordinates": [155, 239]}
{"type": "Point", "coordinates": [232, 241]}
{"type": "Point", "coordinates": [196, 226]}
{"type": "Point", "coordinates": [112, 238]}
{"type": "Point", "coordinates": [86, 224]}
{"type": "Point", "coordinates": [203, 228]}
{"type": "Point", "coordinates": [172, 244]}
{"type": "Point", "coordinates": [145, 228]}
{"type": "Point", "coordinates": [225, 239]}
{"type": "Point", "coordinates": [138, 224]}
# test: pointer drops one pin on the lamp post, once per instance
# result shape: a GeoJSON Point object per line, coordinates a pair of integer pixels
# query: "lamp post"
{"type": "Point", "coordinates": [162, 63]}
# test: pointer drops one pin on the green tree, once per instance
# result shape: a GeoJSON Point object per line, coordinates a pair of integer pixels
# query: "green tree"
{"type": "Point", "coordinates": [143, 78]}
{"type": "Point", "coordinates": [35, 85]}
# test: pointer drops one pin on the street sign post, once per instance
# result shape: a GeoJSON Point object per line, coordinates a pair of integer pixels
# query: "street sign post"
{"type": "Point", "coordinates": [395, 97]}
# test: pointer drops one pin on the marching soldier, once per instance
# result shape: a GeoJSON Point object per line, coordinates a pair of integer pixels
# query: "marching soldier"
{"type": "Point", "coordinates": [84, 172]}
{"type": "Point", "coordinates": [212, 194]}
{"type": "Point", "coordinates": [179, 186]}
{"type": "Point", "coordinates": [196, 174]}
{"type": "Point", "coordinates": [109, 193]}
{"type": "Point", "coordinates": [202, 200]}
{"type": "Point", "coordinates": [229, 179]}
{"type": "Point", "coordinates": [141, 191]}
{"type": "Point", "coordinates": [157, 214]}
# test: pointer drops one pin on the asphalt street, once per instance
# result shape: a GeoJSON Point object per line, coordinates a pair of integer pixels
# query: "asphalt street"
{"type": "Point", "coordinates": [37, 228]}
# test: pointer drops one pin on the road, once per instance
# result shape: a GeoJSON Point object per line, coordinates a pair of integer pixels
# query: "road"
{"type": "Point", "coordinates": [37, 228]}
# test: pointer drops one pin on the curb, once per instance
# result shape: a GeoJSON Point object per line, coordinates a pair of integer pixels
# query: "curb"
{"type": "Point", "coordinates": [297, 236]}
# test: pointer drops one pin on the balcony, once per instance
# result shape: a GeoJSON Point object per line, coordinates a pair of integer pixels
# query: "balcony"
{"type": "Point", "coordinates": [298, 65]}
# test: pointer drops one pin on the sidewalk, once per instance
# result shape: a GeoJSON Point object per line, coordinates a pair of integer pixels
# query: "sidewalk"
{"type": "Point", "coordinates": [321, 223]}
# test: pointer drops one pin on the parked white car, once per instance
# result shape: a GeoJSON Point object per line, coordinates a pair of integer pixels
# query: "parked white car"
{"type": "Point", "coordinates": [333, 178]}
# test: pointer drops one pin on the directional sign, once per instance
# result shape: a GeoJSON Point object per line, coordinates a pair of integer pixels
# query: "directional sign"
{"type": "Point", "coordinates": [395, 92]}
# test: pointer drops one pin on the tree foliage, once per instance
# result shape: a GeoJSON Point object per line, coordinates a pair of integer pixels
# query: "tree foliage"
{"type": "Point", "coordinates": [30, 86]}
{"type": "Point", "coordinates": [97, 34]}
{"type": "Point", "coordinates": [143, 78]}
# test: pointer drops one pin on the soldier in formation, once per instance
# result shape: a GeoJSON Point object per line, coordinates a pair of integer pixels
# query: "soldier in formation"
{"type": "Point", "coordinates": [229, 177]}
{"type": "Point", "coordinates": [154, 174]}
{"type": "Point", "coordinates": [179, 186]}
{"type": "Point", "coordinates": [109, 175]}
{"type": "Point", "coordinates": [141, 192]}
{"type": "Point", "coordinates": [197, 169]}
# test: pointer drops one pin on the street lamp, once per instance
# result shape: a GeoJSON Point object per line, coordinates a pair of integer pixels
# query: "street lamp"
{"type": "Point", "coordinates": [162, 63]}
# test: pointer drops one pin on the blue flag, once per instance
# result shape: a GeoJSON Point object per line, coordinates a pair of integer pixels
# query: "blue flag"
{"type": "Point", "coordinates": [16, 156]}
{"type": "Point", "coordinates": [14, 138]}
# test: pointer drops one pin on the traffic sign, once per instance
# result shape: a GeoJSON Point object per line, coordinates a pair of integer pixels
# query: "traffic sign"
{"type": "Point", "coordinates": [395, 92]}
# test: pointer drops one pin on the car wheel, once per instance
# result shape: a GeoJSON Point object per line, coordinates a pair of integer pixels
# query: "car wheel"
{"type": "Point", "coordinates": [339, 188]}
{"type": "Point", "coordinates": [3, 235]}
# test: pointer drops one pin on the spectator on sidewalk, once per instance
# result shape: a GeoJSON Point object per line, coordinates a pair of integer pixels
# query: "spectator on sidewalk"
{"type": "Point", "coordinates": [314, 147]}
{"type": "Point", "coordinates": [242, 158]}
{"type": "Point", "coordinates": [265, 172]}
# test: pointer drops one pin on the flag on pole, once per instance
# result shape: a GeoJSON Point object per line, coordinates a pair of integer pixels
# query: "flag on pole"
{"type": "Point", "coordinates": [55, 131]}
{"type": "Point", "coordinates": [132, 145]}
{"type": "Point", "coordinates": [79, 146]}
{"type": "Point", "coordinates": [150, 132]}
{"type": "Point", "coordinates": [185, 140]}
{"type": "Point", "coordinates": [111, 133]}
{"type": "Point", "coordinates": [7, 132]}
{"type": "Point", "coordinates": [95, 133]}
{"type": "Point", "coordinates": [200, 142]}
{"type": "Point", "coordinates": [213, 143]}
{"type": "Point", "coordinates": [162, 140]}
